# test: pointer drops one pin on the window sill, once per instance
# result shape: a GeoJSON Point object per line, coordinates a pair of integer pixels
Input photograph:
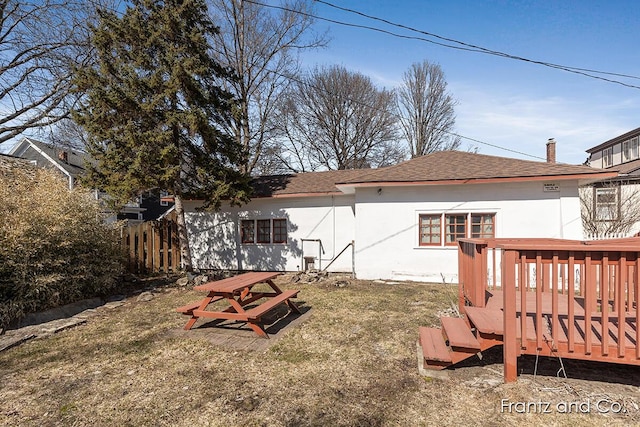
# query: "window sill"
{"type": "Point", "coordinates": [264, 244]}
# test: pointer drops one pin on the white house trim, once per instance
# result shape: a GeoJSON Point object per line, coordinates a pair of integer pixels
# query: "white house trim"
{"type": "Point", "coordinates": [46, 156]}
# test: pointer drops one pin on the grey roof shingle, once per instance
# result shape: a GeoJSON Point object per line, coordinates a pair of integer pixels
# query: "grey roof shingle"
{"type": "Point", "coordinates": [440, 166]}
{"type": "Point", "coordinates": [460, 165]}
{"type": "Point", "coordinates": [302, 183]}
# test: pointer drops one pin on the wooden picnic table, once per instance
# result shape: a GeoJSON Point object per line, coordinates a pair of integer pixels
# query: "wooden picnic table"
{"type": "Point", "coordinates": [238, 291]}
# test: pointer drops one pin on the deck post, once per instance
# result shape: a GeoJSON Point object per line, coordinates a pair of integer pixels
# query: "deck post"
{"type": "Point", "coordinates": [462, 262]}
{"type": "Point", "coordinates": [510, 351]}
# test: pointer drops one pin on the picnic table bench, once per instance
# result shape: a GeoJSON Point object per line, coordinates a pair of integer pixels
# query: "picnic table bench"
{"type": "Point", "coordinates": [238, 291]}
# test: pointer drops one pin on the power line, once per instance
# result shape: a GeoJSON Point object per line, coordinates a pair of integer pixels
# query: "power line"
{"type": "Point", "coordinates": [460, 45]}
{"type": "Point", "coordinates": [474, 47]}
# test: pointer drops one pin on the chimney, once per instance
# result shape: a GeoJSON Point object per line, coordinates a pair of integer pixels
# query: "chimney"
{"type": "Point", "coordinates": [551, 150]}
{"type": "Point", "coordinates": [63, 156]}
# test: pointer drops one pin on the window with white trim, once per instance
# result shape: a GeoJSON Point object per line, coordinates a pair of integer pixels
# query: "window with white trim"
{"type": "Point", "coordinates": [442, 229]}
{"type": "Point", "coordinates": [263, 231]}
{"type": "Point", "coordinates": [630, 149]}
{"type": "Point", "coordinates": [607, 157]}
{"type": "Point", "coordinates": [607, 203]}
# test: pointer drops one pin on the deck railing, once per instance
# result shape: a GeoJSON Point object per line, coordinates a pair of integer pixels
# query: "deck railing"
{"type": "Point", "coordinates": [564, 296]}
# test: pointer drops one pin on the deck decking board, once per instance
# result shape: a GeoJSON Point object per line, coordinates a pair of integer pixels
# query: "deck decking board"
{"type": "Point", "coordinates": [433, 345]}
{"type": "Point", "coordinates": [458, 333]}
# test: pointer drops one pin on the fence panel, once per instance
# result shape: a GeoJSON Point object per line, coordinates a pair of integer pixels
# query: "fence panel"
{"type": "Point", "coordinates": [152, 246]}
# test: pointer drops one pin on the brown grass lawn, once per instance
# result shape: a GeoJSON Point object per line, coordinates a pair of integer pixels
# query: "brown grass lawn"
{"type": "Point", "coordinates": [352, 362]}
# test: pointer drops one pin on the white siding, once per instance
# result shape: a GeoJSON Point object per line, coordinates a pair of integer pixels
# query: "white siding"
{"type": "Point", "coordinates": [596, 160]}
{"type": "Point", "coordinates": [387, 223]}
{"type": "Point", "coordinates": [384, 226]}
{"type": "Point", "coordinates": [215, 237]}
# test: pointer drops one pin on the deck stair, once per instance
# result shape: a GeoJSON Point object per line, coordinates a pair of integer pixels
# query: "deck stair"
{"type": "Point", "coordinates": [544, 297]}
{"type": "Point", "coordinates": [460, 338]}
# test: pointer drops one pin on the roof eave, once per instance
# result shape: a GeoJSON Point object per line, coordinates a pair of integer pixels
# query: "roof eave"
{"type": "Point", "coordinates": [613, 141]}
{"type": "Point", "coordinates": [308, 194]}
{"type": "Point", "coordinates": [350, 187]}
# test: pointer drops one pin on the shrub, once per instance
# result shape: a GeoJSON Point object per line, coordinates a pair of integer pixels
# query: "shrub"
{"type": "Point", "coordinates": [55, 247]}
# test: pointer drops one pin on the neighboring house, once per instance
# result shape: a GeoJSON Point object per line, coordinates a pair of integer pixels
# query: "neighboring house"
{"type": "Point", "coordinates": [612, 206]}
{"type": "Point", "coordinates": [404, 220]}
{"type": "Point", "coordinates": [70, 163]}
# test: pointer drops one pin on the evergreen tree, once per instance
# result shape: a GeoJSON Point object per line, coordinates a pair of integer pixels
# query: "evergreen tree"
{"type": "Point", "coordinates": [154, 109]}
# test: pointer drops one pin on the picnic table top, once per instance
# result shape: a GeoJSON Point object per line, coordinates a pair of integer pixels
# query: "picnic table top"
{"type": "Point", "coordinates": [236, 283]}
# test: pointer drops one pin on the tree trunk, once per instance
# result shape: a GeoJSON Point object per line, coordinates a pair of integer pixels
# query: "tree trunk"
{"type": "Point", "coordinates": [185, 249]}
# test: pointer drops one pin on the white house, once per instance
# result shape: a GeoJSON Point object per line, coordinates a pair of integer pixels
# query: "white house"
{"type": "Point", "coordinates": [403, 220]}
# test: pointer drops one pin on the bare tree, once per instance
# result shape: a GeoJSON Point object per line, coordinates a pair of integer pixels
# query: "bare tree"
{"type": "Point", "coordinates": [426, 110]}
{"type": "Point", "coordinates": [66, 134]}
{"type": "Point", "coordinates": [40, 43]}
{"type": "Point", "coordinates": [261, 45]}
{"type": "Point", "coordinates": [337, 119]}
{"type": "Point", "coordinates": [610, 209]}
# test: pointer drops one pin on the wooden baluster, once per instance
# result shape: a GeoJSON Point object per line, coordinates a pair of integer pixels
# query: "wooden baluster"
{"type": "Point", "coordinates": [524, 288]}
{"type": "Point", "coordinates": [637, 304]}
{"type": "Point", "coordinates": [604, 292]}
{"type": "Point", "coordinates": [484, 273]}
{"type": "Point", "coordinates": [539, 286]}
{"type": "Point", "coordinates": [510, 350]}
{"type": "Point", "coordinates": [571, 301]}
{"type": "Point", "coordinates": [480, 273]}
{"type": "Point", "coordinates": [461, 276]}
{"type": "Point", "coordinates": [622, 310]}
{"type": "Point", "coordinates": [495, 273]}
{"type": "Point", "coordinates": [589, 282]}
{"type": "Point", "coordinates": [554, 301]}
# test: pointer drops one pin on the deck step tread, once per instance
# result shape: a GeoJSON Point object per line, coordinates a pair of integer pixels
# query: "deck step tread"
{"type": "Point", "coordinates": [458, 333]}
{"type": "Point", "coordinates": [433, 345]}
{"type": "Point", "coordinates": [486, 320]}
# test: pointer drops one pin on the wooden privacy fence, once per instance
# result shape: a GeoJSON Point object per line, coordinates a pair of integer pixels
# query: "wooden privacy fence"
{"type": "Point", "coordinates": [152, 246]}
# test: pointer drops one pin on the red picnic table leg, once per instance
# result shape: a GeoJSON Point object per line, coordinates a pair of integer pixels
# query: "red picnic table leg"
{"type": "Point", "coordinates": [240, 310]}
{"type": "Point", "coordinates": [290, 303]}
{"type": "Point", "coordinates": [205, 302]}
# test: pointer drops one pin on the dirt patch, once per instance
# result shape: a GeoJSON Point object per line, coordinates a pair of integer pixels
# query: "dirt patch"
{"type": "Point", "coordinates": [350, 362]}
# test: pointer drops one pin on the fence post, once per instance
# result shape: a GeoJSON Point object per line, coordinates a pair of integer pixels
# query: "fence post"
{"type": "Point", "coordinates": [461, 276]}
{"type": "Point", "coordinates": [510, 351]}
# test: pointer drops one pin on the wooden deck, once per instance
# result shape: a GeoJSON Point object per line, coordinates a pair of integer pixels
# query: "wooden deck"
{"type": "Point", "coordinates": [579, 300]}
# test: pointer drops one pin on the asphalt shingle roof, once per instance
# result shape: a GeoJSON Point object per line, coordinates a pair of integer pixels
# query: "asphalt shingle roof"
{"type": "Point", "coordinates": [439, 166]}
{"type": "Point", "coordinates": [302, 183]}
{"type": "Point", "coordinates": [460, 165]}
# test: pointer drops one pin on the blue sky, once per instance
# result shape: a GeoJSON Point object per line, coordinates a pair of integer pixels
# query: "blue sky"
{"type": "Point", "coordinates": [504, 102]}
